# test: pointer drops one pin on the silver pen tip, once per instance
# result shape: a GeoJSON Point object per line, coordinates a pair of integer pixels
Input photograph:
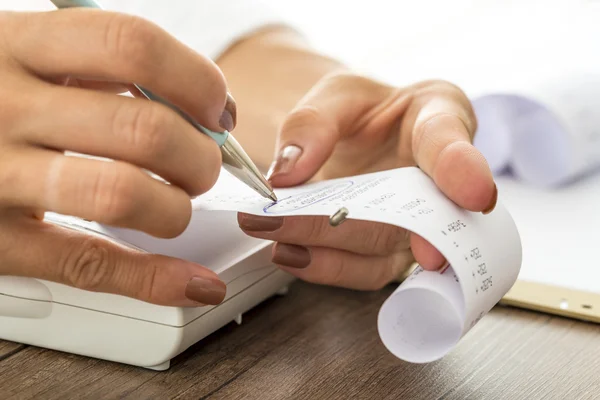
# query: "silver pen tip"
{"type": "Point", "coordinates": [237, 162]}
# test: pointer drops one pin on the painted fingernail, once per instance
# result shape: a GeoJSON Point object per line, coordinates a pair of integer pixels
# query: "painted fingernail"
{"type": "Point", "coordinates": [205, 290]}
{"type": "Point", "coordinates": [255, 223]}
{"type": "Point", "coordinates": [444, 267]}
{"type": "Point", "coordinates": [285, 161]}
{"type": "Point", "coordinates": [493, 202]}
{"type": "Point", "coordinates": [229, 117]}
{"type": "Point", "coordinates": [290, 255]}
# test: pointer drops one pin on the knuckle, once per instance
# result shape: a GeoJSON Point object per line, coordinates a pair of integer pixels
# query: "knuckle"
{"type": "Point", "coordinates": [432, 130]}
{"type": "Point", "coordinates": [336, 271]}
{"type": "Point", "coordinates": [315, 229]}
{"type": "Point", "coordinates": [114, 192]}
{"type": "Point", "coordinates": [145, 127]}
{"type": "Point", "coordinates": [88, 266]}
{"type": "Point", "coordinates": [329, 269]}
{"type": "Point", "coordinates": [17, 108]}
{"type": "Point", "coordinates": [131, 40]}
{"type": "Point", "coordinates": [326, 268]}
{"type": "Point", "coordinates": [142, 285]}
{"type": "Point", "coordinates": [437, 87]}
{"type": "Point", "coordinates": [382, 239]}
{"type": "Point", "coordinates": [301, 116]}
{"type": "Point", "coordinates": [11, 177]}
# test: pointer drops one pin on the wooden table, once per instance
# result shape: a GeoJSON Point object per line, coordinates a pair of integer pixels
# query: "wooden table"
{"type": "Point", "coordinates": [322, 343]}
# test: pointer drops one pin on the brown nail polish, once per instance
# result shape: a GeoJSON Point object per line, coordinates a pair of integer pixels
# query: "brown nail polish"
{"type": "Point", "coordinates": [229, 117]}
{"type": "Point", "coordinates": [205, 290]}
{"type": "Point", "coordinates": [254, 223]}
{"type": "Point", "coordinates": [285, 161]}
{"type": "Point", "coordinates": [290, 255]}
{"type": "Point", "coordinates": [493, 202]}
{"type": "Point", "coordinates": [444, 267]}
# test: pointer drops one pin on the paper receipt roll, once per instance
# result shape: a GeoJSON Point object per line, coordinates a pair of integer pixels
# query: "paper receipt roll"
{"type": "Point", "coordinates": [430, 311]}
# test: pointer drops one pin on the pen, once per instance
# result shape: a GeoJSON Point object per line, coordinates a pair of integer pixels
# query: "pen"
{"type": "Point", "coordinates": [235, 159]}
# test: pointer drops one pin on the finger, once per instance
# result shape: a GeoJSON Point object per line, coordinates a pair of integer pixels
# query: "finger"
{"type": "Point", "coordinates": [334, 109]}
{"type": "Point", "coordinates": [103, 45]}
{"type": "Point", "coordinates": [444, 125]}
{"type": "Point", "coordinates": [141, 132]}
{"type": "Point", "coordinates": [90, 263]}
{"type": "Point", "coordinates": [361, 237]}
{"type": "Point", "coordinates": [110, 192]}
{"type": "Point", "coordinates": [341, 268]}
{"type": "Point", "coordinates": [426, 255]}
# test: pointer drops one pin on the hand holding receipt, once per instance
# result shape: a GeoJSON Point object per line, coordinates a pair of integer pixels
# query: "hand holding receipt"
{"type": "Point", "coordinates": [428, 314]}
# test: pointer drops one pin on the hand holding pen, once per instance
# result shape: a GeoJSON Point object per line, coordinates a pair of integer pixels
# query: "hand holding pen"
{"type": "Point", "coordinates": [58, 94]}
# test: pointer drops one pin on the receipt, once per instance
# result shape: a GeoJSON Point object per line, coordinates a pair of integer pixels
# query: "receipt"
{"type": "Point", "coordinates": [429, 312]}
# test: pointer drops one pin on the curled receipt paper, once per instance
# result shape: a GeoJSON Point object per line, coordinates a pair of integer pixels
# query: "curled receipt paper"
{"type": "Point", "coordinates": [430, 311]}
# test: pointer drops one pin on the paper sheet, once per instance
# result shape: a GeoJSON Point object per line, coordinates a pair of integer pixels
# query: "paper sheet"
{"type": "Point", "coordinates": [431, 311]}
{"type": "Point", "coordinates": [567, 220]}
{"type": "Point", "coordinates": [547, 132]}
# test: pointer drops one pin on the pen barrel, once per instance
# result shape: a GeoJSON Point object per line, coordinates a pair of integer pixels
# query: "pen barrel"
{"type": "Point", "coordinates": [75, 3]}
{"type": "Point", "coordinates": [237, 162]}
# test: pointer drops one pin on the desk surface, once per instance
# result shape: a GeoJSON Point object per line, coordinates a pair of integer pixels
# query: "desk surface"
{"type": "Point", "coordinates": [322, 343]}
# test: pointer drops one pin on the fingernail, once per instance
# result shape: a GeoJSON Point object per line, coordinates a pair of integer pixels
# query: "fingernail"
{"type": "Point", "coordinates": [290, 255]}
{"type": "Point", "coordinates": [493, 202]}
{"type": "Point", "coordinates": [254, 223]}
{"type": "Point", "coordinates": [443, 267]}
{"type": "Point", "coordinates": [285, 161]}
{"type": "Point", "coordinates": [229, 117]}
{"type": "Point", "coordinates": [205, 290]}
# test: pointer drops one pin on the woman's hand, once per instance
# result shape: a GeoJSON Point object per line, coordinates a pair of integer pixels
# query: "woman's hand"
{"type": "Point", "coordinates": [348, 125]}
{"type": "Point", "coordinates": [96, 53]}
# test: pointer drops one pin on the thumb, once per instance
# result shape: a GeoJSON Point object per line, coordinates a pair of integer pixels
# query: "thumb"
{"type": "Point", "coordinates": [331, 111]}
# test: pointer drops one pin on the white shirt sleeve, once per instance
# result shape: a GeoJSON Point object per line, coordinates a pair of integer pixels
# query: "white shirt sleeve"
{"type": "Point", "coordinates": [207, 26]}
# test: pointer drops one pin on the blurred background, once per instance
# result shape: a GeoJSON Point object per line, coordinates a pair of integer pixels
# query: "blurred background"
{"type": "Point", "coordinates": [478, 44]}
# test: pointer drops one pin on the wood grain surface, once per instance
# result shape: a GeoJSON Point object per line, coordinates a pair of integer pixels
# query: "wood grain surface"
{"type": "Point", "coordinates": [322, 343]}
{"type": "Point", "coordinates": [7, 349]}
